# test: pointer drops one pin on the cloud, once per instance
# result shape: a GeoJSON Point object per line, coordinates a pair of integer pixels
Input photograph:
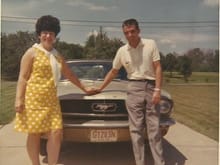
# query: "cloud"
{"type": "Point", "coordinates": [90, 6]}
{"type": "Point", "coordinates": [94, 32]}
{"type": "Point", "coordinates": [50, 1]}
{"type": "Point", "coordinates": [165, 41]}
{"type": "Point", "coordinates": [112, 29]}
{"type": "Point", "coordinates": [173, 40]}
{"type": "Point", "coordinates": [168, 42]}
{"type": "Point", "coordinates": [178, 37]}
{"type": "Point", "coordinates": [211, 3]}
{"type": "Point", "coordinates": [19, 9]}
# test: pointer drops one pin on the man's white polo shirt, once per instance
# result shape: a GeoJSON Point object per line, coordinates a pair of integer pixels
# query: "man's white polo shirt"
{"type": "Point", "coordinates": [138, 61]}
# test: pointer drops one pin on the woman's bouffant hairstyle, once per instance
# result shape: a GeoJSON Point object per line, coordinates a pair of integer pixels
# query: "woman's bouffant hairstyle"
{"type": "Point", "coordinates": [47, 23]}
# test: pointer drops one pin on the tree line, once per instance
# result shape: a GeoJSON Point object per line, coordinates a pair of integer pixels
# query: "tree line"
{"type": "Point", "coordinates": [100, 46]}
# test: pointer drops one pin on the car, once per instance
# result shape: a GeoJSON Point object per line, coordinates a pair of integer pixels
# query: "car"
{"type": "Point", "coordinates": [101, 117]}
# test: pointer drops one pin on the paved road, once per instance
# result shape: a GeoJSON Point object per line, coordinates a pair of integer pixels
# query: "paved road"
{"type": "Point", "coordinates": [182, 146]}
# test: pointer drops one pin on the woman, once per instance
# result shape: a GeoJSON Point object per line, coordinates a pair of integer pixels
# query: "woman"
{"type": "Point", "coordinates": [36, 103]}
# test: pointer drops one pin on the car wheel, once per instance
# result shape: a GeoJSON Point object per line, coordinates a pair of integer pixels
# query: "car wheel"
{"type": "Point", "coordinates": [43, 147]}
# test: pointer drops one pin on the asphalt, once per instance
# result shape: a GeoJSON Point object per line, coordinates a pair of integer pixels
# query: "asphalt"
{"type": "Point", "coordinates": [182, 146]}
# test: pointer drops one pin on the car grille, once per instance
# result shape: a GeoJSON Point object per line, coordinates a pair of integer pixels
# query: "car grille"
{"type": "Point", "coordinates": [94, 109]}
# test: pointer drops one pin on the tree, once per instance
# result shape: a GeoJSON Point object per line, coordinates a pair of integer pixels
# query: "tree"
{"type": "Point", "coordinates": [185, 67]}
{"type": "Point", "coordinates": [162, 61]}
{"type": "Point", "coordinates": [215, 62]}
{"type": "Point", "coordinates": [13, 47]}
{"type": "Point", "coordinates": [203, 60]}
{"type": "Point", "coordinates": [170, 63]}
{"type": "Point", "coordinates": [100, 46]}
{"type": "Point", "coordinates": [69, 51]}
{"type": "Point", "coordinates": [211, 63]}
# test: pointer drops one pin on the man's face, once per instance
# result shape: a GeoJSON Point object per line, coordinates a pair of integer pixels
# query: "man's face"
{"type": "Point", "coordinates": [131, 33]}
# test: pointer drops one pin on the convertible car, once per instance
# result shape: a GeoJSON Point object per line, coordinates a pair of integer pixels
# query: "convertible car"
{"type": "Point", "coordinates": [102, 117]}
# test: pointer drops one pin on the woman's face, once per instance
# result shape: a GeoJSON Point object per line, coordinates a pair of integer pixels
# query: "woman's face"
{"type": "Point", "coordinates": [47, 39]}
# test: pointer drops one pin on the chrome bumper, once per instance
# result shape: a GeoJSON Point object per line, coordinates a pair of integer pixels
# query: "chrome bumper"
{"type": "Point", "coordinates": [167, 122]}
{"type": "Point", "coordinates": [82, 132]}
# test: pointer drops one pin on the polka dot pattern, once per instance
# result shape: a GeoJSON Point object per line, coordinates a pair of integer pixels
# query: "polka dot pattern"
{"type": "Point", "coordinates": [42, 109]}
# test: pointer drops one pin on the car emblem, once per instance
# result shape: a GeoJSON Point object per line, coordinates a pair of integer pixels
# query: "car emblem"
{"type": "Point", "coordinates": [104, 107]}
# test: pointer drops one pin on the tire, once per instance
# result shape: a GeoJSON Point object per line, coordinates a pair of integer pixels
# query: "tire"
{"type": "Point", "coordinates": [164, 131]}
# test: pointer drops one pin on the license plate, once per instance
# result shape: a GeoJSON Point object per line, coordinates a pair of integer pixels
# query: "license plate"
{"type": "Point", "coordinates": [103, 135]}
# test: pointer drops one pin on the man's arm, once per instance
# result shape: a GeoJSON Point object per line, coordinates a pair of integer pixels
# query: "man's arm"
{"type": "Point", "coordinates": [157, 90]}
{"type": "Point", "coordinates": [158, 73]}
{"type": "Point", "coordinates": [108, 78]}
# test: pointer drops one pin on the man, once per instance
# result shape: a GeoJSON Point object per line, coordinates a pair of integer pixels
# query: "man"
{"type": "Point", "coordinates": [141, 59]}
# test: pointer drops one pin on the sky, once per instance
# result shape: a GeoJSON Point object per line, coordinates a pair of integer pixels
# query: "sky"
{"type": "Point", "coordinates": [175, 25]}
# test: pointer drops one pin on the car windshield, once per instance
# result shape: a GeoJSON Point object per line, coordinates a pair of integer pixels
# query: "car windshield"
{"type": "Point", "coordinates": [94, 70]}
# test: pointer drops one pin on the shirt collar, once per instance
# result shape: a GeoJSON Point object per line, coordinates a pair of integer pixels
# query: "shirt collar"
{"type": "Point", "coordinates": [40, 47]}
{"type": "Point", "coordinates": [140, 44]}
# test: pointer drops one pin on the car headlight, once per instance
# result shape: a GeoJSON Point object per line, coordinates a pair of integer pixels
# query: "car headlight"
{"type": "Point", "coordinates": [165, 106]}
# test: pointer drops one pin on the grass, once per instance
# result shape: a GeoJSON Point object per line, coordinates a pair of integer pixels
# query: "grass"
{"type": "Point", "coordinates": [196, 102]}
{"type": "Point", "coordinates": [197, 106]}
{"type": "Point", "coordinates": [196, 77]}
{"type": "Point", "coordinates": [7, 99]}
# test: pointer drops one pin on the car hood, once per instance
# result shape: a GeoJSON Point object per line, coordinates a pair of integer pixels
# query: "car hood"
{"type": "Point", "coordinates": [115, 90]}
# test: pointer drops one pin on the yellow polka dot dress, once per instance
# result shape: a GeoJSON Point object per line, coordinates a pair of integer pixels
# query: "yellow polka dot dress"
{"type": "Point", "coordinates": [42, 111]}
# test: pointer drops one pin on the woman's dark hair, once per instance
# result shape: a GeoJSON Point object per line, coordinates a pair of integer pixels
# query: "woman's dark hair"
{"type": "Point", "coordinates": [130, 22]}
{"type": "Point", "coordinates": [47, 23]}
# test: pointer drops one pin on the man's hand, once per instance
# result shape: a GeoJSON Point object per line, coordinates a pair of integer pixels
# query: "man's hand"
{"type": "Point", "coordinates": [156, 97]}
{"type": "Point", "coordinates": [91, 90]}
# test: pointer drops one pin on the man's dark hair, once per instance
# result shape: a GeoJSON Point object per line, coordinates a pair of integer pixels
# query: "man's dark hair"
{"type": "Point", "coordinates": [130, 22]}
{"type": "Point", "coordinates": [47, 23]}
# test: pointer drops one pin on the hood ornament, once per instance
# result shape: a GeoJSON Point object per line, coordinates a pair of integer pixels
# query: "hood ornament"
{"type": "Point", "coordinates": [104, 107]}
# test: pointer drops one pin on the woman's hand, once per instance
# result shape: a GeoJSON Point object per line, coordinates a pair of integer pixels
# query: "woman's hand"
{"type": "Point", "coordinates": [91, 90]}
{"type": "Point", "coordinates": [19, 106]}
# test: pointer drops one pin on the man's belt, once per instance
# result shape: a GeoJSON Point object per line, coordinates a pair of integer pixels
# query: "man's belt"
{"type": "Point", "coordinates": [144, 80]}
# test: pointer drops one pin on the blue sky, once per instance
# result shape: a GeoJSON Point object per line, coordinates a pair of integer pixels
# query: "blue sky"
{"type": "Point", "coordinates": [176, 25]}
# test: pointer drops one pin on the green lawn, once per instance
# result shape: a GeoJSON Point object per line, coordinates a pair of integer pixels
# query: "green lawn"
{"type": "Point", "coordinates": [196, 77]}
{"type": "Point", "coordinates": [7, 99]}
{"type": "Point", "coordinates": [197, 106]}
{"type": "Point", "coordinates": [196, 102]}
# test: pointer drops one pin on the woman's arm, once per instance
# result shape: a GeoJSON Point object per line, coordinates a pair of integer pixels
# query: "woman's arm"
{"type": "Point", "coordinates": [24, 74]}
{"type": "Point", "coordinates": [69, 74]}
